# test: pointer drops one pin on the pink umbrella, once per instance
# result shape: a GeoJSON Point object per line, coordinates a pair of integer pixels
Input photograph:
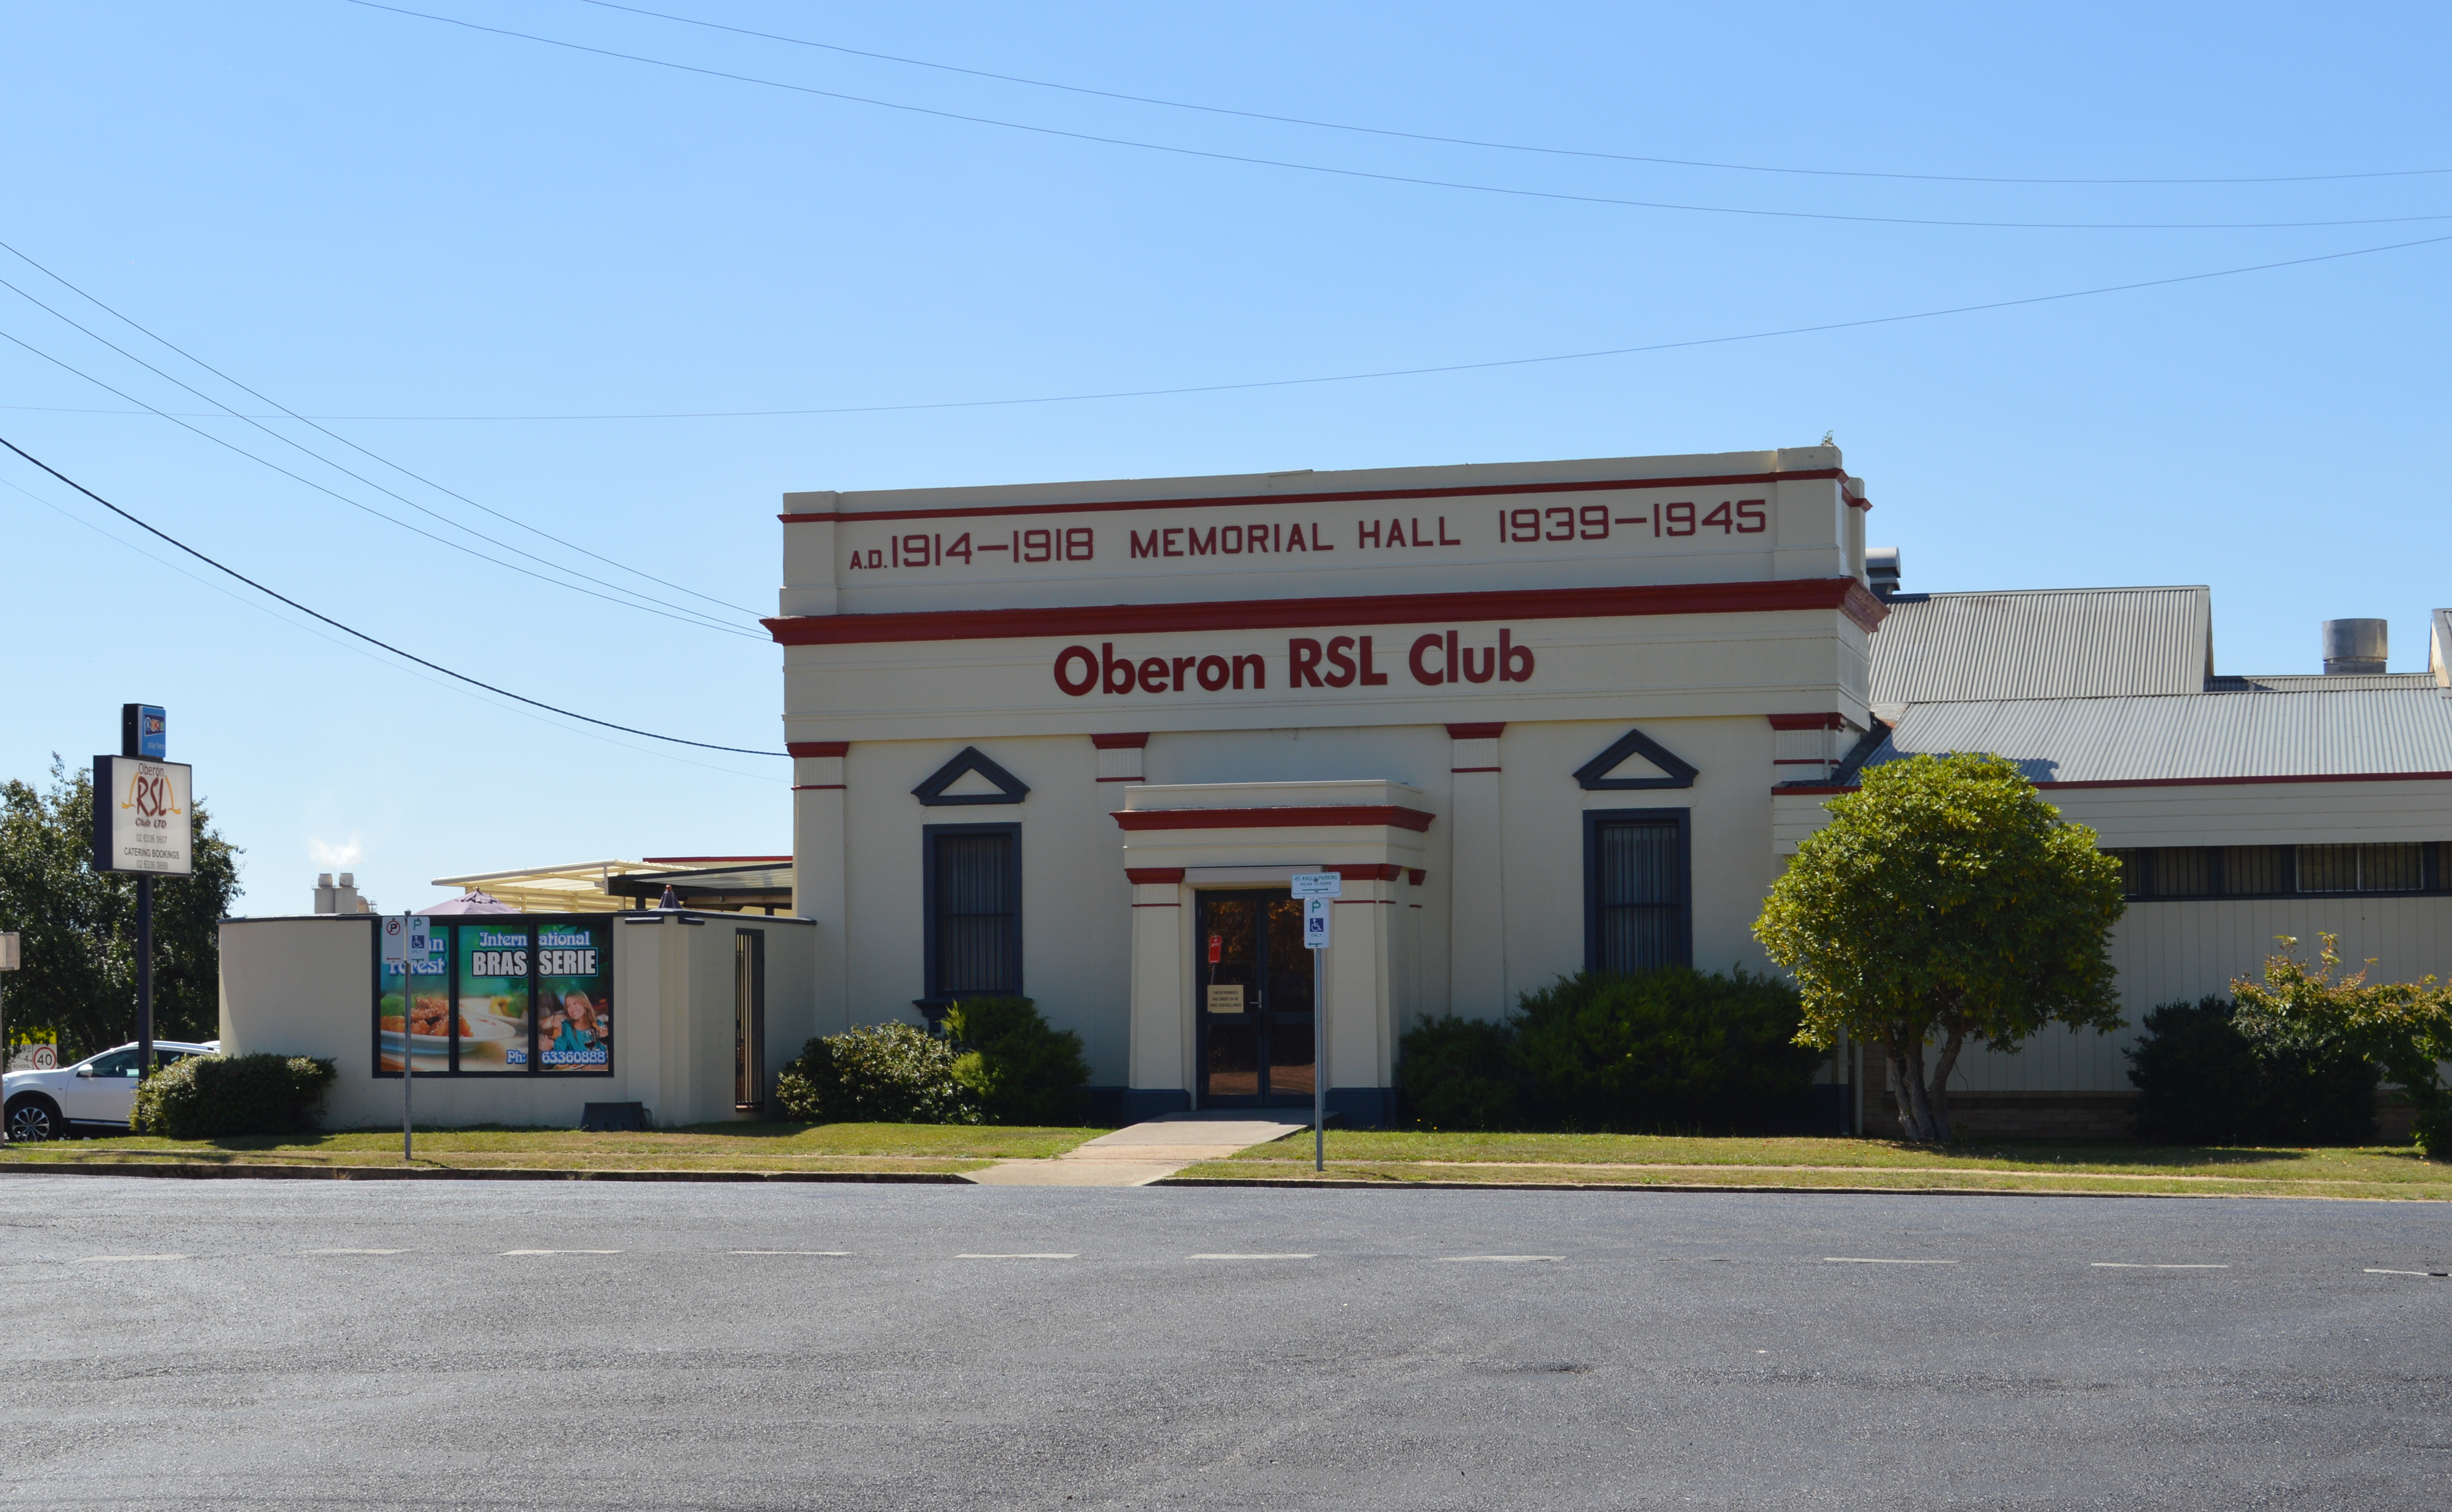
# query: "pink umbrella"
{"type": "Point", "coordinates": [471, 902]}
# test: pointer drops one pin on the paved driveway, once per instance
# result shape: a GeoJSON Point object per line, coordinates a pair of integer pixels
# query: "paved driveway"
{"type": "Point", "coordinates": [513, 1345]}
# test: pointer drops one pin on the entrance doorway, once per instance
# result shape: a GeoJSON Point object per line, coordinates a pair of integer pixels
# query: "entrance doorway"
{"type": "Point", "coordinates": [1251, 994]}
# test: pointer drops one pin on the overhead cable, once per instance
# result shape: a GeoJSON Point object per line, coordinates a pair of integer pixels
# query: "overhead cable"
{"type": "Point", "coordinates": [343, 439]}
{"type": "Point", "coordinates": [680, 615]}
{"type": "Point", "coordinates": [405, 655]}
{"type": "Point", "coordinates": [1423, 372]}
{"type": "Point", "coordinates": [1502, 147]}
{"type": "Point", "coordinates": [1403, 178]}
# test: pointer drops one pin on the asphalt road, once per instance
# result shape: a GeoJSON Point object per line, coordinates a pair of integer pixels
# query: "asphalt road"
{"type": "Point", "coordinates": [499, 1345]}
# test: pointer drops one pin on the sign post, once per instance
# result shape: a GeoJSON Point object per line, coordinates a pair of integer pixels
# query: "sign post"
{"type": "Point", "coordinates": [7, 963]}
{"type": "Point", "coordinates": [406, 942]}
{"type": "Point", "coordinates": [1318, 891]}
{"type": "Point", "coordinates": [142, 823]}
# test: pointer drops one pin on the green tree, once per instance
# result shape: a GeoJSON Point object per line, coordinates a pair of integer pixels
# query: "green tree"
{"type": "Point", "coordinates": [2402, 1028]}
{"type": "Point", "coordinates": [1946, 901]}
{"type": "Point", "coordinates": [78, 926]}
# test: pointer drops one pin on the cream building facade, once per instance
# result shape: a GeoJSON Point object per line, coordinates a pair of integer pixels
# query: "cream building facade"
{"type": "Point", "coordinates": [1072, 740]}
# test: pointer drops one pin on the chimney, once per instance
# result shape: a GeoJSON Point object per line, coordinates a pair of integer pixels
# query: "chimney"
{"type": "Point", "coordinates": [324, 901]}
{"type": "Point", "coordinates": [2354, 647]}
{"type": "Point", "coordinates": [1882, 570]}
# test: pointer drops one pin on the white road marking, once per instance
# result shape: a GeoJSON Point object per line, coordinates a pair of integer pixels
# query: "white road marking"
{"type": "Point", "coordinates": [2371, 1270]}
{"type": "Point", "coordinates": [2132, 1264]}
{"type": "Point", "coordinates": [834, 1252]}
{"type": "Point", "coordinates": [1019, 1257]}
{"type": "Point", "coordinates": [1251, 1257]}
{"type": "Point", "coordinates": [1869, 1260]}
{"type": "Point", "coordinates": [1503, 1260]}
{"type": "Point", "coordinates": [353, 1251]}
{"type": "Point", "coordinates": [88, 1259]}
{"type": "Point", "coordinates": [562, 1252]}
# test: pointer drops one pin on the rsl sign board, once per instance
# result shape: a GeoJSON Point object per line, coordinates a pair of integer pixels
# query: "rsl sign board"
{"type": "Point", "coordinates": [143, 815]}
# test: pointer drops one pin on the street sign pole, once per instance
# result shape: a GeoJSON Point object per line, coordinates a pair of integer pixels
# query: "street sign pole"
{"type": "Point", "coordinates": [1319, 891]}
{"type": "Point", "coordinates": [7, 963]}
{"type": "Point", "coordinates": [394, 930]}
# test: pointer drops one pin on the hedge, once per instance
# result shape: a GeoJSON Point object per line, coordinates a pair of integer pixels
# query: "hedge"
{"type": "Point", "coordinates": [1670, 1049]}
{"type": "Point", "coordinates": [218, 1097]}
{"type": "Point", "coordinates": [2199, 1081]}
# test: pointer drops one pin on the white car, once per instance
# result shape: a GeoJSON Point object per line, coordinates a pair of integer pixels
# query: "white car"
{"type": "Point", "coordinates": [93, 1096]}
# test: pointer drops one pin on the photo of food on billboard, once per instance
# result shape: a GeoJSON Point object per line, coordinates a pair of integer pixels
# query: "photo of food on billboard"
{"type": "Point", "coordinates": [575, 990]}
{"type": "Point", "coordinates": [420, 1012]}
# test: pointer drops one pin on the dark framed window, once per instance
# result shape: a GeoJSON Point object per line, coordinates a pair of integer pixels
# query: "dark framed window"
{"type": "Point", "coordinates": [2162, 872]}
{"type": "Point", "coordinates": [971, 875]}
{"type": "Point", "coordinates": [1638, 888]}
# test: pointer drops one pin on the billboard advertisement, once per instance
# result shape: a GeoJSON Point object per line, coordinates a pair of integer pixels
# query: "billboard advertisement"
{"type": "Point", "coordinates": [575, 997]}
{"type": "Point", "coordinates": [502, 995]}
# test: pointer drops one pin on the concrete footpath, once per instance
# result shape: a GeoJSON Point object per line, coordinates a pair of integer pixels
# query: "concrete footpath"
{"type": "Point", "coordinates": [1142, 1153]}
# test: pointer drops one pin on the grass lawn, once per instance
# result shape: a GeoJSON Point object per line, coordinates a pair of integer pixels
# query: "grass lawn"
{"type": "Point", "coordinates": [1668, 1161]}
{"type": "Point", "coordinates": [709, 1146]}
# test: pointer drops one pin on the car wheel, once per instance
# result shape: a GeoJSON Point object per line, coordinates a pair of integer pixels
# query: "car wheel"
{"type": "Point", "coordinates": [32, 1120]}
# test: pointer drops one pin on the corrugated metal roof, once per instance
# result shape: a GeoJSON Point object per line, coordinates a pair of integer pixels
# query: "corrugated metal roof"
{"type": "Point", "coordinates": [2192, 735]}
{"type": "Point", "coordinates": [2047, 644]}
{"type": "Point", "coordinates": [2319, 682]}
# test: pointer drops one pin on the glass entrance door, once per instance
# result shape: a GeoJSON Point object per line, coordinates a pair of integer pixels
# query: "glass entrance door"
{"type": "Point", "coordinates": [1251, 996]}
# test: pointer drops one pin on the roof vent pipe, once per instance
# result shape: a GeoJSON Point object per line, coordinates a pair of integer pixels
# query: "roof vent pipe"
{"type": "Point", "coordinates": [2354, 647]}
{"type": "Point", "coordinates": [1882, 569]}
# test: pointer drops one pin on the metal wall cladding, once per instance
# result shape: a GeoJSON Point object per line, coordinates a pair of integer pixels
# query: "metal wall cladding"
{"type": "Point", "coordinates": [2192, 735]}
{"type": "Point", "coordinates": [2051, 643]}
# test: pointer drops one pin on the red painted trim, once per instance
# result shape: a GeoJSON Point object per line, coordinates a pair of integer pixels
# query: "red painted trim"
{"type": "Point", "coordinates": [1157, 905]}
{"type": "Point", "coordinates": [1367, 872]}
{"type": "Point", "coordinates": [1483, 491]}
{"type": "Point", "coordinates": [1153, 875]}
{"type": "Point", "coordinates": [2194, 782]}
{"type": "Point", "coordinates": [818, 787]}
{"type": "Point", "coordinates": [1800, 761]}
{"type": "Point", "coordinates": [1291, 817]}
{"type": "Point", "coordinates": [817, 748]}
{"type": "Point", "coordinates": [1473, 769]}
{"type": "Point", "coordinates": [1476, 731]}
{"type": "Point", "coordinates": [1413, 876]}
{"type": "Point", "coordinates": [1118, 779]}
{"type": "Point", "coordinates": [1121, 742]}
{"type": "Point", "coordinates": [1806, 721]}
{"type": "Point", "coordinates": [1844, 594]}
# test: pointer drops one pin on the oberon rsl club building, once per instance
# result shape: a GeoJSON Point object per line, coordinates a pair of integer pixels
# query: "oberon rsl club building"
{"type": "Point", "coordinates": [1072, 740]}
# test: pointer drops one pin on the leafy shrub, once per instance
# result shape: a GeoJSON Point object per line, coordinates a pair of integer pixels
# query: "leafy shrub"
{"type": "Point", "coordinates": [1671, 1047]}
{"type": "Point", "coordinates": [885, 1073]}
{"type": "Point", "coordinates": [217, 1096]}
{"type": "Point", "coordinates": [2201, 1081]}
{"type": "Point", "coordinates": [1461, 1073]}
{"type": "Point", "coordinates": [1018, 1068]}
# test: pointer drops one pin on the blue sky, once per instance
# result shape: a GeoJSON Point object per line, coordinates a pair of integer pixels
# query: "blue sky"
{"type": "Point", "coordinates": [361, 213]}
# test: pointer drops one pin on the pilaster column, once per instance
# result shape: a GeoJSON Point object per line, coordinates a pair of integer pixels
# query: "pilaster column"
{"type": "Point", "coordinates": [1159, 1057]}
{"type": "Point", "coordinates": [819, 842]}
{"type": "Point", "coordinates": [1476, 892]}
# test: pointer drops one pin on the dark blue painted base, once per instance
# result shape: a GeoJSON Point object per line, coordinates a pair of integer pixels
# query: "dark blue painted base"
{"type": "Point", "coordinates": [1134, 1104]}
{"type": "Point", "coordinates": [1362, 1107]}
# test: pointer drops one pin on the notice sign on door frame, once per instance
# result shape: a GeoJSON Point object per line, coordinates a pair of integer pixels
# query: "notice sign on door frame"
{"type": "Point", "coordinates": [1225, 997]}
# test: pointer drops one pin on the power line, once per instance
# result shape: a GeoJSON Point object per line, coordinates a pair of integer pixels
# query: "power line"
{"type": "Point", "coordinates": [1475, 142]}
{"type": "Point", "coordinates": [696, 621]}
{"type": "Point", "coordinates": [1402, 177]}
{"type": "Point", "coordinates": [236, 598]}
{"type": "Point", "coordinates": [1421, 372]}
{"type": "Point", "coordinates": [344, 440]}
{"type": "Point", "coordinates": [432, 666]}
